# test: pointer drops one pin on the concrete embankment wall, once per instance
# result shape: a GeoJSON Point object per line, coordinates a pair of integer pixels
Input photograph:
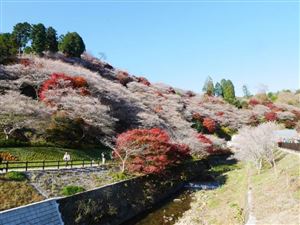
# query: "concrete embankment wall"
{"type": "Point", "coordinates": [109, 205]}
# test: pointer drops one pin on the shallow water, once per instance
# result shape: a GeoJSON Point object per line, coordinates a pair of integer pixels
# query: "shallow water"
{"type": "Point", "coordinates": [168, 212]}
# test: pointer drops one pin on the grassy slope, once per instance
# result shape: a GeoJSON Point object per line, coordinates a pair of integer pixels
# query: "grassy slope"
{"type": "Point", "coordinates": [51, 153]}
{"type": "Point", "coordinates": [223, 205]}
{"type": "Point", "coordinates": [276, 198]}
{"type": "Point", "coordinates": [16, 193]}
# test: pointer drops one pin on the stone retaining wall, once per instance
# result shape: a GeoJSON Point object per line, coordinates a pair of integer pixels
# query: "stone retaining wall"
{"type": "Point", "coordinates": [109, 205]}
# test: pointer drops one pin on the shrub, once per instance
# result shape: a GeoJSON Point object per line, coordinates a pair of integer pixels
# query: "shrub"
{"type": "Point", "coordinates": [190, 94]}
{"type": "Point", "coordinates": [71, 190]}
{"type": "Point", "coordinates": [225, 132]}
{"type": "Point", "coordinates": [6, 156]}
{"type": "Point", "coordinates": [270, 116]}
{"type": "Point", "coordinates": [119, 176]}
{"type": "Point", "coordinates": [144, 81]}
{"type": "Point", "coordinates": [209, 124]}
{"type": "Point", "coordinates": [254, 102]}
{"type": "Point", "coordinates": [60, 81]}
{"type": "Point", "coordinates": [16, 176]}
{"type": "Point", "coordinates": [25, 62]}
{"type": "Point", "coordinates": [148, 151]}
{"type": "Point", "coordinates": [123, 78]}
{"type": "Point", "coordinates": [207, 141]}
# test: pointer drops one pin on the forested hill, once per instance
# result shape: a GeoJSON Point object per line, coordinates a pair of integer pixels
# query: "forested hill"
{"type": "Point", "coordinates": [72, 101]}
{"type": "Point", "coordinates": [56, 94]}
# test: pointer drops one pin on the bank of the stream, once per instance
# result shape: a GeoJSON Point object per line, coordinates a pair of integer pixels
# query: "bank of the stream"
{"type": "Point", "coordinates": [199, 202]}
{"type": "Point", "coordinates": [275, 196]}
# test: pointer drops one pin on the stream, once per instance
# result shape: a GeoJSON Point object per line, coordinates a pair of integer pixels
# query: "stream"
{"type": "Point", "coordinates": [170, 210]}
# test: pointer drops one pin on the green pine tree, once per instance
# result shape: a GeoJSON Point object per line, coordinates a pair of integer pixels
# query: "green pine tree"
{"type": "Point", "coordinates": [38, 36]}
{"type": "Point", "coordinates": [218, 90]}
{"type": "Point", "coordinates": [51, 40]}
{"type": "Point", "coordinates": [72, 45]}
{"type": "Point", "coordinates": [8, 48]}
{"type": "Point", "coordinates": [21, 34]}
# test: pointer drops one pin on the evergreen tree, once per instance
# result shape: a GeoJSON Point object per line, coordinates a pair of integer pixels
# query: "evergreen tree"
{"type": "Point", "coordinates": [8, 48]}
{"type": "Point", "coordinates": [38, 36]}
{"type": "Point", "coordinates": [228, 90]}
{"type": "Point", "coordinates": [218, 90]}
{"type": "Point", "coordinates": [72, 45]}
{"type": "Point", "coordinates": [21, 33]}
{"type": "Point", "coordinates": [51, 40]}
{"type": "Point", "coordinates": [208, 87]}
{"type": "Point", "coordinates": [246, 91]}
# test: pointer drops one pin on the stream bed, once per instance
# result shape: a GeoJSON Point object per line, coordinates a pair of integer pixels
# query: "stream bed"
{"type": "Point", "coordinates": [170, 210]}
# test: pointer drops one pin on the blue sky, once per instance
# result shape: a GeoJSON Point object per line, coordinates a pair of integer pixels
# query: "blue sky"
{"type": "Point", "coordinates": [181, 42]}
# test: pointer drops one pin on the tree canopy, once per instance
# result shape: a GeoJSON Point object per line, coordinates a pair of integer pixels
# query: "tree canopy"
{"type": "Point", "coordinates": [38, 36]}
{"type": "Point", "coordinates": [208, 87]}
{"type": "Point", "coordinates": [51, 40]}
{"type": "Point", "coordinates": [72, 45]}
{"type": "Point", "coordinates": [21, 33]}
{"type": "Point", "coordinates": [8, 48]}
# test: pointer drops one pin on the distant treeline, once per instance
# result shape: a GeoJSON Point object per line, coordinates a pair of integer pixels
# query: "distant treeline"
{"type": "Point", "coordinates": [37, 39]}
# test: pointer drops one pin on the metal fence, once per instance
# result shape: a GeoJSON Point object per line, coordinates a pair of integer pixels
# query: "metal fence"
{"type": "Point", "coordinates": [55, 164]}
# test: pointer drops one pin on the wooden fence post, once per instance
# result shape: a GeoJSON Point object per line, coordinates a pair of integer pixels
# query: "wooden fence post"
{"type": "Point", "coordinates": [82, 163]}
{"type": "Point", "coordinates": [58, 164]}
{"type": "Point", "coordinates": [26, 165]}
{"type": "Point", "coordinates": [43, 164]}
{"type": "Point", "coordinates": [6, 168]}
{"type": "Point", "coordinates": [71, 164]}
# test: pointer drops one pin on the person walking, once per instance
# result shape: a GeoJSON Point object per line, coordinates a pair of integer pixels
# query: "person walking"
{"type": "Point", "coordinates": [67, 158]}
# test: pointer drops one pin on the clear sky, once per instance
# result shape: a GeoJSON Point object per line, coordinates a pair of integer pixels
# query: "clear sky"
{"type": "Point", "coordinates": [180, 42]}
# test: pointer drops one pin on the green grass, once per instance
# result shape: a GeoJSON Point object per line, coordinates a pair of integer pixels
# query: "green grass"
{"type": "Point", "coordinates": [71, 190]}
{"type": "Point", "coordinates": [276, 194]}
{"type": "Point", "coordinates": [52, 153]}
{"type": "Point", "coordinates": [224, 205]}
{"type": "Point", "coordinates": [16, 176]}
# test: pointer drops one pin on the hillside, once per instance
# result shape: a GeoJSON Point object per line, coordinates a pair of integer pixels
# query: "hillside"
{"type": "Point", "coordinates": [73, 102]}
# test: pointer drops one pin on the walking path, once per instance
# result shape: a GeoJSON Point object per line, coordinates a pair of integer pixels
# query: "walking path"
{"type": "Point", "coordinates": [251, 217]}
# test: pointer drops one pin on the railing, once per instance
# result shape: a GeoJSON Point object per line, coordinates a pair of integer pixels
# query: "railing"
{"type": "Point", "coordinates": [25, 165]}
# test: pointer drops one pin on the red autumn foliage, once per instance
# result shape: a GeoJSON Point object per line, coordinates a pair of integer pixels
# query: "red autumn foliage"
{"type": "Point", "coordinates": [6, 156]}
{"type": "Point", "coordinates": [273, 107]}
{"type": "Point", "coordinates": [158, 108]}
{"type": "Point", "coordinates": [254, 102]}
{"type": "Point", "coordinates": [171, 90]}
{"type": "Point", "coordinates": [144, 81]}
{"type": "Point", "coordinates": [289, 124]}
{"type": "Point", "coordinates": [270, 116]}
{"type": "Point", "coordinates": [207, 141]}
{"type": "Point", "coordinates": [190, 94]}
{"type": "Point", "coordinates": [123, 77]}
{"type": "Point", "coordinates": [219, 113]}
{"type": "Point", "coordinates": [297, 114]}
{"type": "Point", "coordinates": [25, 62]}
{"type": "Point", "coordinates": [55, 82]}
{"type": "Point", "coordinates": [197, 116]}
{"type": "Point", "coordinates": [209, 124]}
{"type": "Point", "coordinates": [158, 93]}
{"type": "Point", "coordinates": [151, 150]}
{"type": "Point", "coordinates": [253, 120]}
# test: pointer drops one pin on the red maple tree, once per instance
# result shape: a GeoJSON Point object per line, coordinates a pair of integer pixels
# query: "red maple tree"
{"type": "Point", "coordinates": [148, 151]}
